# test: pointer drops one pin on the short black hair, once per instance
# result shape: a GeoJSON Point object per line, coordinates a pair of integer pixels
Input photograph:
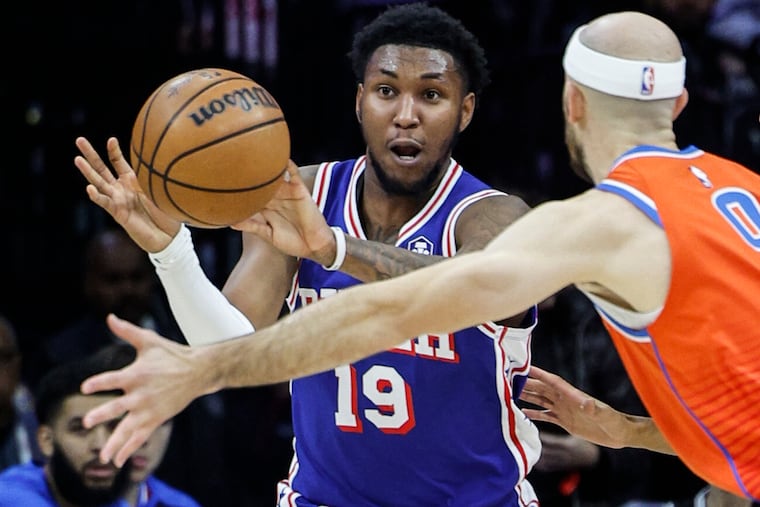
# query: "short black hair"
{"type": "Point", "coordinates": [420, 25]}
{"type": "Point", "coordinates": [65, 380]}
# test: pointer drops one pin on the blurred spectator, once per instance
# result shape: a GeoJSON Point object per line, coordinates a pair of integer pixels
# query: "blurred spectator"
{"type": "Point", "coordinates": [72, 474]}
{"type": "Point", "coordinates": [571, 342]}
{"type": "Point", "coordinates": [117, 278]}
{"type": "Point", "coordinates": [18, 423]}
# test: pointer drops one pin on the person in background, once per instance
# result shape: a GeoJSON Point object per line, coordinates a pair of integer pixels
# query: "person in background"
{"type": "Point", "coordinates": [72, 474]}
{"type": "Point", "coordinates": [18, 422]}
{"type": "Point", "coordinates": [116, 278]}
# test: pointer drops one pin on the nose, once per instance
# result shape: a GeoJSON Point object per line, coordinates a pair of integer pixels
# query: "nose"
{"type": "Point", "coordinates": [406, 114]}
{"type": "Point", "coordinates": [99, 436]}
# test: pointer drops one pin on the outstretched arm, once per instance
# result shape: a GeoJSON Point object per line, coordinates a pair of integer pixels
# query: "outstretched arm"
{"type": "Point", "coordinates": [586, 417]}
{"type": "Point", "coordinates": [532, 259]}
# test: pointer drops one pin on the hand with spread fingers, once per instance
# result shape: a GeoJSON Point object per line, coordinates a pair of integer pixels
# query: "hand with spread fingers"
{"type": "Point", "coordinates": [586, 417]}
{"type": "Point", "coordinates": [159, 384]}
{"type": "Point", "coordinates": [120, 195]}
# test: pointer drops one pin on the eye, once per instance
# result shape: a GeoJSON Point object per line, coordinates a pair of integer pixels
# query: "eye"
{"type": "Point", "coordinates": [76, 427]}
{"type": "Point", "coordinates": [385, 91]}
{"type": "Point", "coordinates": [432, 95]}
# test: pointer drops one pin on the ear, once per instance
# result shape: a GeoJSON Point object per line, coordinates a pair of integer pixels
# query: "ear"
{"type": "Point", "coordinates": [574, 102]}
{"type": "Point", "coordinates": [468, 109]}
{"type": "Point", "coordinates": [681, 102]}
{"type": "Point", "coordinates": [45, 439]}
{"type": "Point", "coordinates": [357, 105]}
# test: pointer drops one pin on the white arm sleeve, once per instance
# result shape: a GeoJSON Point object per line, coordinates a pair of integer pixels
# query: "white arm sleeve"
{"type": "Point", "coordinates": [203, 313]}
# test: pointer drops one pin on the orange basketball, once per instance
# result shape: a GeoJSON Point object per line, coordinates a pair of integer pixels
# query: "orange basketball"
{"type": "Point", "coordinates": [210, 147]}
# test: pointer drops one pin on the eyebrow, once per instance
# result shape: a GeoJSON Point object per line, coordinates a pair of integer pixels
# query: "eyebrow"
{"type": "Point", "coordinates": [427, 75]}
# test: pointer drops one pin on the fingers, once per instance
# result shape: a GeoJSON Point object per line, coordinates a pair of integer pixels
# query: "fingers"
{"type": "Point", "coordinates": [256, 224]}
{"type": "Point", "coordinates": [127, 331]}
{"type": "Point", "coordinates": [117, 158]}
{"type": "Point", "coordinates": [540, 415]}
{"type": "Point", "coordinates": [91, 165]}
{"type": "Point", "coordinates": [122, 444]}
{"type": "Point", "coordinates": [127, 438]}
{"type": "Point", "coordinates": [537, 392]}
{"type": "Point", "coordinates": [540, 374]}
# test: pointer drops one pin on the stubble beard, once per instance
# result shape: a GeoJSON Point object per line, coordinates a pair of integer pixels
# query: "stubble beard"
{"type": "Point", "coordinates": [394, 186]}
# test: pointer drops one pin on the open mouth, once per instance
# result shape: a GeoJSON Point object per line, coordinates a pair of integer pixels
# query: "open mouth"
{"type": "Point", "coordinates": [405, 150]}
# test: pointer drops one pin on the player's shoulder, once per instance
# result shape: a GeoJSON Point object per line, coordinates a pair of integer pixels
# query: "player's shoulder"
{"type": "Point", "coordinates": [605, 216]}
{"type": "Point", "coordinates": [502, 207]}
{"type": "Point", "coordinates": [596, 206]}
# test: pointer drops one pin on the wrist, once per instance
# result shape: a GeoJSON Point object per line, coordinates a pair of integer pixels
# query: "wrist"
{"type": "Point", "coordinates": [340, 250]}
{"type": "Point", "coordinates": [205, 360]}
{"type": "Point", "coordinates": [178, 249]}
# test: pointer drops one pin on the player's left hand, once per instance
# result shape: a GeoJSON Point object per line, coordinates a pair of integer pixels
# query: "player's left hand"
{"type": "Point", "coordinates": [573, 410]}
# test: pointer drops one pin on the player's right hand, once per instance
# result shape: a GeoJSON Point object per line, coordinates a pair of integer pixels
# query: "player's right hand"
{"type": "Point", "coordinates": [120, 195]}
{"type": "Point", "coordinates": [292, 222]}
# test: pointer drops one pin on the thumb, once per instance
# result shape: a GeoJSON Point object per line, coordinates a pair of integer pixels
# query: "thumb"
{"type": "Point", "coordinates": [127, 331]}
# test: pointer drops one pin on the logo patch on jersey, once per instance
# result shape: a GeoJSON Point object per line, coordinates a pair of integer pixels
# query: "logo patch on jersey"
{"type": "Point", "coordinates": [421, 245]}
{"type": "Point", "coordinates": [701, 176]}
{"type": "Point", "coordinates": [647, 80]}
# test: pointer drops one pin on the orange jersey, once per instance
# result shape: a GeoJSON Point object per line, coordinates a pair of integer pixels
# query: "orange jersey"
{"type": "Point", "coordinates": [697, 365]}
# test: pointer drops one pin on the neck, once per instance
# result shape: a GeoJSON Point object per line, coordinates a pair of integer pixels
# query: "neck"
{"type": "Point", "coordinates": [60, 501]}
{"type": "Point", "coordinates": [602, 151]}
{"type": "Point", "coordinates": [132, 495]}
{"type": "Point", "coordinates": [383, 213]}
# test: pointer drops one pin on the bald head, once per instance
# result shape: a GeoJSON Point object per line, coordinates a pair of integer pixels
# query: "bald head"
{"type": "Point", "coordinates": [624, 86]}
{"type": "Point", "coordinates": [632, 36]}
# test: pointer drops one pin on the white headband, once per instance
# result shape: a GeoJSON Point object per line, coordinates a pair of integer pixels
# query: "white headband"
{"type": "Point", "coordinates": [633, 79]}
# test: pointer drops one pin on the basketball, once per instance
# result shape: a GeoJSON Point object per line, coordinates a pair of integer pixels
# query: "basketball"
{"type": "Point", "coordinates": [210, 147]}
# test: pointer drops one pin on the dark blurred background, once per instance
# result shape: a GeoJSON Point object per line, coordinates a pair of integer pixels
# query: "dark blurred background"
{"type": "Point", "coordinates": [84, 67]}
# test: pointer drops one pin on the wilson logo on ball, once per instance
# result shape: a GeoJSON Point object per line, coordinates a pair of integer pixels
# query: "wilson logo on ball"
{"type": "Point", "coordinates": [244, 98]}
{"type": "Point", "coordinates": [210, 147]}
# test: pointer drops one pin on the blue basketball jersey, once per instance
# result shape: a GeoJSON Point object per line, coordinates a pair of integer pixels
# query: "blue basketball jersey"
{"type": "Point", "coordinates": [431, 422]}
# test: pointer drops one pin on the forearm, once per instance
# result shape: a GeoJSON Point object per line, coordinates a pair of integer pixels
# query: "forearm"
{"type": "Point", "coordinates": [642, 433]}
{"type": "Point", "coordinates": [202, 312]}
{"type": "Point", "coordinates": [356, 323]}
{"type": "Point", "coordinates": [371, 261]}
{"type": "Point", "coordinates": [335, 331]}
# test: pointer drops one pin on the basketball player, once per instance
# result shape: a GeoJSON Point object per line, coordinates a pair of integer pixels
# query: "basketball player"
{"type": "Point", "coordinates": [667, 245]}
{"type": "Point", "coordinates": [431, 419]}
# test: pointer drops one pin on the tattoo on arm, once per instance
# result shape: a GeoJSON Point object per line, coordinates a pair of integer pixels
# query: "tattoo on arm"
{"type": "Point", "coordinates": [371, 261]}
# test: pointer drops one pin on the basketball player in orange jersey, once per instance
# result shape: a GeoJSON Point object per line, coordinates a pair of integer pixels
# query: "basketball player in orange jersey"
{"type": "Point", "coordinates": [667, 245]}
